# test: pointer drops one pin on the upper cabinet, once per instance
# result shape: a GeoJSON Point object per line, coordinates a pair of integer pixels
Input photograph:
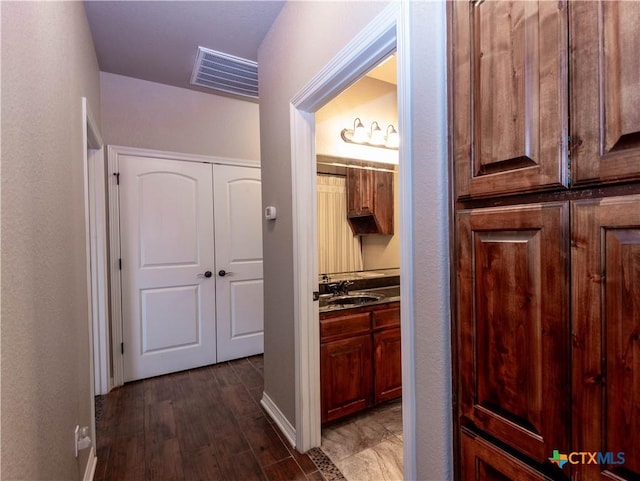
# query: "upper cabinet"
{"type": "Point", "coordinates": [509, 96]}
{"type": "Point", "coordinates": [370, 201]}
{"type": "Point", "coordinates": [517, 70]}
{"type": "Point", "coordinates": [605, 91]}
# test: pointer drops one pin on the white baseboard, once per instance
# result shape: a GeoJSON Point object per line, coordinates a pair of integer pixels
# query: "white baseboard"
{"type": "Point", "coordinates": [90, 470]}
{"type": "Point", "coordinates": [281, 421]}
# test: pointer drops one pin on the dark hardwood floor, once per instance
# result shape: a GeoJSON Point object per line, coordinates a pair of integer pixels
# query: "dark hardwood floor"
{"type": "Point", "coordinates": [202, 424]}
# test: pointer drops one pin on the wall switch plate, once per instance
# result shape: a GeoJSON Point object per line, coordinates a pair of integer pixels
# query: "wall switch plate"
{"type": "Point", "coordinates": [270, 213]}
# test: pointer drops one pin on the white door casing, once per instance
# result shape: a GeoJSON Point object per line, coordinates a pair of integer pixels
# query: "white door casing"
{"type": "Point", "coordinates": [238, 246]}
{"type": "Point", "coordinates": [168, 304]}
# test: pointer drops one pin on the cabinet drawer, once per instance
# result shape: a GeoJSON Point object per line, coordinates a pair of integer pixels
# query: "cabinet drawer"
{"type": "Point", "coordinates": [482, 461]}
{"type": "Point", "coordinates": [386, 317]}
{"type": "Point", "coordinates": [349, 325]}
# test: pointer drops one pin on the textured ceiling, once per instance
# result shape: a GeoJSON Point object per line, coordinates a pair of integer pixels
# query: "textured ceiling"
{"type": "Point", "coordinates": [158, 40]}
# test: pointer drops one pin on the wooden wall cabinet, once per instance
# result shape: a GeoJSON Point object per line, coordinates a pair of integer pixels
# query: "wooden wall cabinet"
{"type": "Point", "coordinates": [605, 299]}
{"type": "Point", "coordinates": [509, 96]}
{"type": "Point", "coordinates": [545, 152]}
{"type": "Point", "coordinates": [514, 326]}
{"type": "Point", "coordinates": [517, 69]}
{"type": "Point", "coordinates": [370, 201]}
{"type": "Point", "coordinates": [360, 363]}
{"type": "Point", "coordinates": [605, 91]}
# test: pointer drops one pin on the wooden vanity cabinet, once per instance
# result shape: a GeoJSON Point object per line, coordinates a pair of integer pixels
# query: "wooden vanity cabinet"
{"type": "Point", "coordinates": [387, 354]}
{"type": "Point", "coordinates": [360, 363]}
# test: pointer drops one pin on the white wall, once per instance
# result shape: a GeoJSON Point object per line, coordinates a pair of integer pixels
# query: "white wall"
{"type": "Point", "coordinates": [301, 42]}
{"type": "Point", "coordinates": [368, 99]}
{"type": "Point", "coordinates": [48, 64]}
{"type": "Point", "coordinates": [138, 113]}
{"type": "Point", "coordinates": [430, 242]}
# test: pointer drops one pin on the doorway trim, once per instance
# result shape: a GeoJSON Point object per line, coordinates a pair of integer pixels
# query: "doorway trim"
{"type": "Point", "coordinates": [94, 220]}
{"type": "Point", "coordinates": [386, 33]}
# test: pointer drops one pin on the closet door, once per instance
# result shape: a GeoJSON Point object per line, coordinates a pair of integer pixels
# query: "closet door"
{"type": "Point", "coordinates": [605, 259]}
{"type": "Point", "coordinates": [513, 325]}
{"type": "Point", "coordinates": [605, 91]}
{"type": "Point", "coordinates": [509, 96]}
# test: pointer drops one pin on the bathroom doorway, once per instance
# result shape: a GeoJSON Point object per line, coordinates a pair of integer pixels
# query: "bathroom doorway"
{"type": "Point", "coordinates": [357, 160]}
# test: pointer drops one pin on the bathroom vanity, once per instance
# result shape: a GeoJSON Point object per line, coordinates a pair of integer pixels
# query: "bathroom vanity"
{"type": "Point", "coordinates": [360, 354]}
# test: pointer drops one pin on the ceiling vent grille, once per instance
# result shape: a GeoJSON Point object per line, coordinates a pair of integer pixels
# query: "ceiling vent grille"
{"type": "Point", "coordinates": [221, 71]}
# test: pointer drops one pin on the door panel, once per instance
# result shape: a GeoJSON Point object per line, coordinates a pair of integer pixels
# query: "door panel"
{"type": "Point", "coordinates": [166, 246]}
{"type": "Point", "coordinates": [512, 310]}
{"type": "Point", "coordinates": [482, 461]}
{"type": "Point", "coordinates": [605, 94]}
{"type": "Point", "coordinates": [346, 374]}
{"type": "Point", "coordinates": [387, 364]}
{"type": "Point", "coordinates": [606, 306]}
{"type": "Point", "coordinates": [509, 96]}
{"type": "Point", "coordinates": [238, 237]}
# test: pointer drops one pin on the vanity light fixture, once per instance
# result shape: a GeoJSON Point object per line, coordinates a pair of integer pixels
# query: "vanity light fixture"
{"type": "Point", "coordinates": [374, 138]}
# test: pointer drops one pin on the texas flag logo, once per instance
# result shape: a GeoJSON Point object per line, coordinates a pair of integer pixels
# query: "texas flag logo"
{"type": "Point", "coordinates": [559, 459]}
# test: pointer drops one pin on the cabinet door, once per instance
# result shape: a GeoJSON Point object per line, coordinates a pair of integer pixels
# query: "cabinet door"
{"type": "Point", "coordinates": [346, 375]}
{"type": "Point", "coordinates": [513, 325]}
{"type": "Point", "coordinates": [370, 201]}
{"type": "Point", "coordinates": [360, 185]}
{"type": "Point", "coordinates": [387, 365]}
{"type": "Point", "coordinates": [482, 461]}
{"type": "Point", "coordinates": [605, 90]}
{"type": "Point", "coordinates": [509, 96]}
{"type": "Point", "coordinates": [605, 259]}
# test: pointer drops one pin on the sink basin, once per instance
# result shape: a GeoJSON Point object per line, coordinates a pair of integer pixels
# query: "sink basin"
{"type": "Point", "coordinates": [352, 299]}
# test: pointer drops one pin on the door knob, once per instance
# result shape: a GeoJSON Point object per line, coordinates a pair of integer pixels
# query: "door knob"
{"type": "Point", "coordinates": [223, 273]}
{"type": "Point", "coordinates": [208, 274]}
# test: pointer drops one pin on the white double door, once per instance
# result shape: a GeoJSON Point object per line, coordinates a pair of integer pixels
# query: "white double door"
{"type": "Point", "coordinates": [191, 251]}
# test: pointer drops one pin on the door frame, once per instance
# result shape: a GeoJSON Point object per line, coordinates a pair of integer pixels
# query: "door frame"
{"type": "Point", "coordinates": [386, 33]}
{"type": "Point", "coordinates": [113, 153]}
{"type": "Point", "coordinates": [95, 249]}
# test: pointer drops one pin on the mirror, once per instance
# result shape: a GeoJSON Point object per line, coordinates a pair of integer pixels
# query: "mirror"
{"type": "Point", "coordinates": [372, 98]}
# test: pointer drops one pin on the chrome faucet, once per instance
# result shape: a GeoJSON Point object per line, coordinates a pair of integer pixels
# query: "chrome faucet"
{"type": "Point", "coordinates": [340, 288]}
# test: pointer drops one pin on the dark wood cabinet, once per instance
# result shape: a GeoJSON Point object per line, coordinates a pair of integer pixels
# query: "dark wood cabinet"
{"type": "Point", "coordinates": [485, 462]}
{"type": "Point", "coordinates": [509, 98]}
{"type": "Point", "coordinates": [605, 255]}
{"type": "Point", "coordinates": [360, 359]}
{"type": "Point", "coordinates": [347, 375]}
{"type": "Point", "coordinates": [387, 354]}
{"type": "Point", "coordinates": [514, 326]}
{"type": "Point", "coordinates": [545, 152]}
{"type": "Point", "coordinates": [370, 201]}
{"type": "Point", "coordinates": [605, 91]}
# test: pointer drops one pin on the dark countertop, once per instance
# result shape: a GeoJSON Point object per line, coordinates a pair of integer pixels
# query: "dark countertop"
{"type": "Point", "coordinates": [389, 294]}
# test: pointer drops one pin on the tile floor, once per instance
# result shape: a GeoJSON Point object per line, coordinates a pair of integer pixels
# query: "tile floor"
{"type": "Point", "coordinates": [367, 447]}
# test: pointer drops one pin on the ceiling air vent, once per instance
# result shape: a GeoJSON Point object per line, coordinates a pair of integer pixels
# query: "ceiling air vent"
{"type": "Point", "coordinates": [221, 71]}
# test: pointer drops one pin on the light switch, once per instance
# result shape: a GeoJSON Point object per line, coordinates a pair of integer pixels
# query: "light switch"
{"type": "Point", "coordinates": [270, 213]}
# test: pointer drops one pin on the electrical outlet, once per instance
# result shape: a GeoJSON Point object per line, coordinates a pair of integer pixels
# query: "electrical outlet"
{"type": "Point", "coordinates": [81, 439]}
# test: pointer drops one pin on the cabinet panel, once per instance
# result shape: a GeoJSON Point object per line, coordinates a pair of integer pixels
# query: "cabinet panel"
{"type": "Point", "coordinates": [481, 461]}
{"type": "Point", "coordinates": [387, 364]}
{"type": "Point", "coordinates": [346, 375]}
{"type": "Point", "coordinates": [370, 200]}
{"type": "Point", "coordinates": [334, 327]}
{"type": "Point", "coordinates": [606, 339]}
{"type": "Point", "coordinates": [509, 85]}
{"type": "Point", "coordinates": [386, 317]}
{"type": "Point", "coordinates": [605, 88]}
{"type": "Point", "coordinates": [513, 318]}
